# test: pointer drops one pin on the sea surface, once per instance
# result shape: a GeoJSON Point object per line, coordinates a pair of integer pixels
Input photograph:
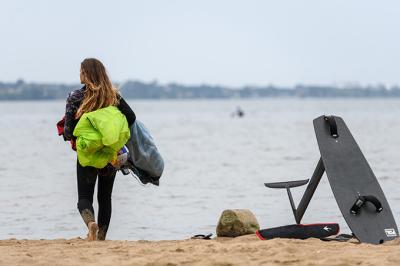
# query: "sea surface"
{"type": "Point", "coordinates": [213, 161]}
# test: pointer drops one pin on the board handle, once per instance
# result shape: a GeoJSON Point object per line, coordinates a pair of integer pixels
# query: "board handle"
{"type": "Point", "coordinates": [332, 125]}
{"type": "Point", "coordinates": [361, 200]}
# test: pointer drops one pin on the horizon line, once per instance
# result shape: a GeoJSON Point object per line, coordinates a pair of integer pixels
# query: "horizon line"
{"type": "Point", "coordinates": [340, 85]}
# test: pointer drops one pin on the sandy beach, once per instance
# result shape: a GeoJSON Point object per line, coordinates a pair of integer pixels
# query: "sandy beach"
{"type": "Point", "coordinates": [246, 250]}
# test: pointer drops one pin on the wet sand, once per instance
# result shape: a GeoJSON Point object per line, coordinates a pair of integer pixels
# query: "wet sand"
{"type": "Point", "coordinates": [246, 250]}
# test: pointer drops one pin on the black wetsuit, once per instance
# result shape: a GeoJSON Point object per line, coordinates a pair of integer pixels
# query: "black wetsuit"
{"type": "Point", "coordinates": [87, 176]}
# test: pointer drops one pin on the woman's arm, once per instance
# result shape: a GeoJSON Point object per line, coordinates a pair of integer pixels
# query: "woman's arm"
{"type": "Point", "coordinates": [74, 100]}
{"type": "Point", "coordinates": [127, 111]}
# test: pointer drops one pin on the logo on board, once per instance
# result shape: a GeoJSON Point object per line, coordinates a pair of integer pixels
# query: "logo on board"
{"type": "Point", "coordinates": [390, 232]}
{"type": "Point", "coordinates": [326, 228]}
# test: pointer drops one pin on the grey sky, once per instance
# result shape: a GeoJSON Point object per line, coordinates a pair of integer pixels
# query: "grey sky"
{"type": "Point", "coordinates": [206, 41]}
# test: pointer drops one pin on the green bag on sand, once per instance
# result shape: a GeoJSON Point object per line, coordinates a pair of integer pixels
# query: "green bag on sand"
{"type": "Point", "coordinates": [100, 135]}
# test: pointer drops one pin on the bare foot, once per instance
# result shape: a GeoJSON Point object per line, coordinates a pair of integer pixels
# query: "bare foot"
{"type": "Point", "coordinates": [93, 230]}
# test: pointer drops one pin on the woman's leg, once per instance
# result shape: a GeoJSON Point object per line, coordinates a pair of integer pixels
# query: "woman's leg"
{"type": "Point", "coordinates": [86, 183]}
{"type": "Point", "coordinates": [104, 191]}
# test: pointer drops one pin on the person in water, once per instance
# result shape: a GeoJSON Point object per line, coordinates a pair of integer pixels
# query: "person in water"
{"type": "Point", "coordinates": [97, 92]}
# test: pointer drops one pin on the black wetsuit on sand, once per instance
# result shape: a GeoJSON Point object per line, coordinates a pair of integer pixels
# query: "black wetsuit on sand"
{"type": "Point", "coordinates": [86, 176]}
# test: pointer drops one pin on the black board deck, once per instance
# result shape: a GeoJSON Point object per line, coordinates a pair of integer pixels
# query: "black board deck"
{"type": "Point", "coordinates": [350, 176]}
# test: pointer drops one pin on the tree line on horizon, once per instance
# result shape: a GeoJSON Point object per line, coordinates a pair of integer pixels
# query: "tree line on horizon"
{"type": "Point", "coordinates": [21, 90]}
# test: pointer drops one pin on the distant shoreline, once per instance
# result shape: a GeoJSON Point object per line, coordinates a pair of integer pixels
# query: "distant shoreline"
{"type": "Point", "coordinates": [21, 90]}
{"type": "Point", "coordinates": [214, 99]}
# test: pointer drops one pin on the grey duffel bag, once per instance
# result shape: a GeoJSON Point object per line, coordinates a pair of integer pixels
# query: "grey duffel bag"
{"type": "Point", "coordinates": [143, 153]}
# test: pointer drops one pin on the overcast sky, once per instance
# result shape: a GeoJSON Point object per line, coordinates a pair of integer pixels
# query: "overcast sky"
{"type": "Point", "coordinates": [224, 42]}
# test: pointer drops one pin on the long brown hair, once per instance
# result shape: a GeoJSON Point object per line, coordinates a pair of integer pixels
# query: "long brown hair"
{"type": "Point", "coordinates": [99, 92]}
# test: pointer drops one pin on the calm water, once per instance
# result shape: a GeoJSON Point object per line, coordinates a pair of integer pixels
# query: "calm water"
{"type": "Point", "coordinates": [213, 162]}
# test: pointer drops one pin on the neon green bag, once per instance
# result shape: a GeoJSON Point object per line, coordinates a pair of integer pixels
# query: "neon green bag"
{"type": "Point", "coordinates": [100, 135]}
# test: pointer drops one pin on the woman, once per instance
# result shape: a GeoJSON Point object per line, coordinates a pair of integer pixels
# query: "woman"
{"type": "Point", "coordinates": [97, 92]}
